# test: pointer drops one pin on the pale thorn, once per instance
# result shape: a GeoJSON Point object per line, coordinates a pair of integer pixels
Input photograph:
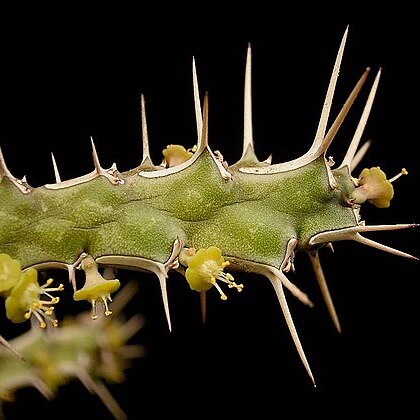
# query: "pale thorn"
{"type": "Point", "coordinates": [319, 274]}
{"type": "Point", "coordinates": [376, 228]}
{"type": "Point", "coordinates": [173, 262]}
{"type": "Point", "coordinates": [98, 388]}
{"type": "Point", "coordinates": [360, 154]}
{"type": "Point", "coordinates": [162, 283]}
{"type": "Point", "coordinates": [131, 351]}
{"type": "Point", "coordinates": [248, 157]}
{"type": "Point", "coordinates": [157, 268]}
{"type": "Point", "coordinates": [354, 144]}
{"type": "Point", "coordinates": [72, 276]}
{"type": "Point", "coordinates": [313, 153]}
{"type": "Point", "coordinates": [286, 265]}
{"type": "Point", "coordinates": [160, 269]}
{"type": "Point", "coordinates": [42, 387]}
{"type": "Point", "coordinates": [131, 327]}
{"type": "Point", "coordinates": [56, 173]}
{"type": "Point", "coordinates": [109, 401]}
{"type": "Point", "coordinates": [71, 269]}
{"type": "Point", "coordinates": [248, 142]}
{"type": "Point", "coordinates": [4, 172]}
{"type": "Point", "coordinates": [98, 167]}
{"type": "Point", "coordinates": [330, 246]}
{"type": "Point", "coordinates": [202, 146]}
{"type": "Point", "coordinates": [78, 368]}
{"type": "Point", "coordinates": [98, 171]}
{"type": "Point", "coordinates": [204, 141]}
{"type": "Point", "coordinates": [327, 140]}
{"type": "Point", "coordinates": [326, 108]}
{"type": "Point", "coordinates": [9, 347]}
{"type": "Point", "coordinates": [348, 233]}
{"type": "Point", "coordinates": [293, 289]}
{"type": "Point", "coordinates": [278, 287]}
{"type": "Point", "coordinates": [197, 106]}
{"type": "Point", "coordinates": [123, 296]}
{"type": "Point", "coordinates": [273, 275]}
{"type": "Point", "coordinates": [377, 245]}
{"type": "Point", "coordinates": [268, 160]}
{"type": "Point", "coordinates": [204, 138]}
{"type": "Point", "coordinates": [109, 273]}
{"type": "Point", "coordinates": [144, 133]}
{"type": "Point", "coordinates": [203, 306]}
{"type": "Point", "coordinates": [352, 234]}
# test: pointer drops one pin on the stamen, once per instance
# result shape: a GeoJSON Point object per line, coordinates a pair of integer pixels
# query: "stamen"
{"type": "Point", "coordinates": [105, 305]}
{"type": "Point", "coordinates": [96, 287]}
{"type": "Point", "coordinates": [192, 149]}
{"type": "Point", "coordinates": [94, 314]}
{"type": "Point", "coordinates": [222, 295]}
{"type": "Point", "coordinates": [42, 324]}
{"type": "Point", "coordinates": [229, 280]}
{"type": "Point", "coordinates": [205, 267]}
{"type": "Point", "coordinates": [41, 309]}
{"type": "Point", "coordinates": [403, 172]}
{"type": "Point", "coordinates": [25, 299]}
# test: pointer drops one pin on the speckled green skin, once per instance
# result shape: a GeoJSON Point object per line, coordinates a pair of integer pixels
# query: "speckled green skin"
{"type": "Point", "coordinates": [251, 217]}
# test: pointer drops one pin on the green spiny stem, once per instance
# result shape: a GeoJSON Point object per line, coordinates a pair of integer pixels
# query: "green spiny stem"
{"type": "Point", "coordinates": [257, 214]}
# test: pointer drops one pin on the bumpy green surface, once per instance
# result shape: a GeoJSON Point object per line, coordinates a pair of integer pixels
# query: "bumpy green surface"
{"type": "Point", "coordinates": [250, 217]}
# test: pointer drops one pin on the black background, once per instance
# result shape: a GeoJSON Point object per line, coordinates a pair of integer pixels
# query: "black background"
{"type": "Point", "coordinates": [66, 79]}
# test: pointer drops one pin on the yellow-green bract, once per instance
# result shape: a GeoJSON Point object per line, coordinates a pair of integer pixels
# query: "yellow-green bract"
{"type": "Point", "coordinates": [154, 217]}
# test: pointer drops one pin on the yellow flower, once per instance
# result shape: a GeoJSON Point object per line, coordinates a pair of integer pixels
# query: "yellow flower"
{"type": "Point", "coordinates": [96, 287]}
{"type": "Point", "coordinates": [25, 300]}
{"type": "Point", "coordinates": [373, 187]}
{"type": "Point", "coordinates": [9, 272]}
{"type": "Point", "coordinates": [175, 154]}
{"type": "Point", "coordinates": [205, 267]}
